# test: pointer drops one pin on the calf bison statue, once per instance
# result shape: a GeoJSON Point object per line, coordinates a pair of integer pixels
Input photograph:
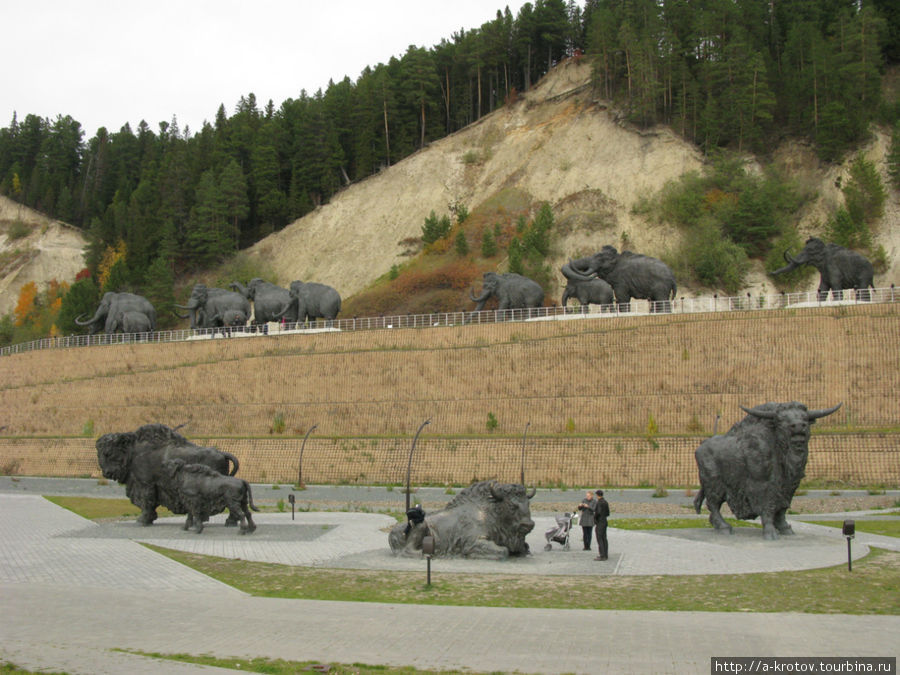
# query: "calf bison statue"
{"type": "Point", "coordinates": [135, 459]}
{"type": "Point", "coordinates": [485, 520]}
{"type": "Point", "coordinates": [757, 466]}
{"type": "Point", "coordinates": [204, 492]}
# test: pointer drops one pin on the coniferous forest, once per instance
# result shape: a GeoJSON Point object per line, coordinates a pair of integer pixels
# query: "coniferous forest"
{"type": "Point", "coordinates": [733, 74]}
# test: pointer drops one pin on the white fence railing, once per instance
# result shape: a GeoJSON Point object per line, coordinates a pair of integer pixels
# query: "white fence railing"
{"type": "Point", "coordinates": [703, 304]}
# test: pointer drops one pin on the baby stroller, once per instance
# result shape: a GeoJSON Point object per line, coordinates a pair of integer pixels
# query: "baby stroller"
{"type": "Point", "coordinates": [560, 533]}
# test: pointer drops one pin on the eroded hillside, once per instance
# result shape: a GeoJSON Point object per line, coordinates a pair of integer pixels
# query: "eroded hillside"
{"type": "Point", "coordinates": [35, 248]}
{"type": "Point", "coordinates": [558, 144]}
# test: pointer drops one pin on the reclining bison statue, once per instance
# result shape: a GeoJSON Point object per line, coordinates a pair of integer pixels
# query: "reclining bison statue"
{"type": "Point", "coordinates": [485, 520]}
{"type": "Point", "coordinates": [135, 458]}
{"type": "Point", "coordinates": [205, 492]}
{"type": "Point", "coordinates": [757, 466]}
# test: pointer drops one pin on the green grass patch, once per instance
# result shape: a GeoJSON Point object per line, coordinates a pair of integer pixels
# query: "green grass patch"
{"type": "Point", "coordinates": [7, 667]}
{"type": "Point", "coordinates": [100, 508]}
{"type": "Point", "coordinates": [96, 508]}
{"type": "Point", "coordinates": [888, 528]}
{"type": "Point", "coordinates": [872, 588]}
{"type": "Point", "coordinates": [282, 667]}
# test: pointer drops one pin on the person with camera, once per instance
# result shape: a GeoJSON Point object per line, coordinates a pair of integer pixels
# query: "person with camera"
{"type": "Point", "coordinates": [586, 517]}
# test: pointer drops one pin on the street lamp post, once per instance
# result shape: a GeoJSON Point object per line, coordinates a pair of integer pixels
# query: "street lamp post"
{"type": "Point", "coordinates": [300, 464]}
{"type": "Point", "coordinates": [409, 463]}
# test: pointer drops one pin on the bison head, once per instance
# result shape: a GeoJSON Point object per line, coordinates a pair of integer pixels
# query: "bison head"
{"type": "Point", "coordinates": [114, 453]}
{"type": "Point", "coordinates": [509, 519]}
{"type": "Point", "coordinates": [791, 421]}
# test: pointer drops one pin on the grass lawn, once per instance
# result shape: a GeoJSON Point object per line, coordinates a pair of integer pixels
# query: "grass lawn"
{"type": "Point", "coordinates": [95, 508]}
{"type": "Point", "coordinates": [872, 588]}
{"type": "Point", "coordinates": [889, 528]}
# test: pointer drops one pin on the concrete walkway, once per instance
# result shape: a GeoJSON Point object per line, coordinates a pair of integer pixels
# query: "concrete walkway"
{"type": "Point", "coordinates": [72, 590]}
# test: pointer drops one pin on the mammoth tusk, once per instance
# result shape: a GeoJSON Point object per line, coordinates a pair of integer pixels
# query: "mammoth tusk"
{"type": "Point", "coordinates": [787, 257]}
{"type": "Point", "coordinates": [816, 414]}
{"type": "Point", "coordinates": [767, 414]}
{"type": "Point", "coordinates": [531, 493]}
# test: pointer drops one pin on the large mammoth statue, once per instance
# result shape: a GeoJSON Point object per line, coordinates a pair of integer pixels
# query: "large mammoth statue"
{"type": "Point", "coordinates": [131, 322]}
{"type": "Point", "coordinates": [205, 304]}
{"type": "Point", "coordinates": [114, 304]}
{"type": "Point", "coordinates": [268, 301]}
{"type": "Point", "coordinates": [513, 291]}
{"type": "Point", "coordinates": [135, 459]}
{"type": "Point", "coordinates": [631, 275]}
{"type": "Point", "coordinates": [311, 301]}
{"type": "Point", "coordinates": [839, 268]}
{"type": "Point", "coordinates": [591, 292]}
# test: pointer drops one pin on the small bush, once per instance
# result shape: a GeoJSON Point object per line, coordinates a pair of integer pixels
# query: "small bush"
{"type": "Point", "coordinates": [492, 422]}
{"type": "Point", "coordinates": [88, 428]}
{"type": "Point", "coordinates": [278, 425]}
{"type": "Point", "coordinates": [660, 492]}
{"type": "Point", "coordinates": [435, 228]}
{"type": "Point", "coordinates": [18, 230]}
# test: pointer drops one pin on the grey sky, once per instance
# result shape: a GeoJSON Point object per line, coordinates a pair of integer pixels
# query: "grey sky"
{"type": "Point", "coordinates": [107, 62]}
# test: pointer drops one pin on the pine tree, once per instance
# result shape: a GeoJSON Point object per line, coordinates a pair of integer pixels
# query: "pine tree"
{"type": "Point", "coordinates": [233, 187]}
{"type": "Point", "coordinates": [81, 299]}
{"type": "Point", "coordinates": [461, 244]}
{"type": "Point", "coordinates": [488, 245]}
{"type": "Point", "coordinates": [208, 238]}
{"type": "Point", "coordinates": [159, 289]}
{"type": "Point", "coordinates": [893, 158]}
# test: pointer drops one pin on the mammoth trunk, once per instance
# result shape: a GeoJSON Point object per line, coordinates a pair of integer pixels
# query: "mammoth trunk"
{"type": "Point", "coordinates": [792, 264]}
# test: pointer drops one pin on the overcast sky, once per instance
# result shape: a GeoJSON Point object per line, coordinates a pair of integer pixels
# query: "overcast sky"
{"type": "Point", "coordinates": [107, 62]}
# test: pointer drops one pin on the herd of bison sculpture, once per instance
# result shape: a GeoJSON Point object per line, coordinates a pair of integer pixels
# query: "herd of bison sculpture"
{"type": "Point", "coordinates": [756, 468]}
{"type": "Point", "coordinates": [136, 460]}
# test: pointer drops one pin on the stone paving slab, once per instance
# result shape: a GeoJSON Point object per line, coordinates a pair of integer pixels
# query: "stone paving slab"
{"type": "Point", "coordinates": [73, 590]}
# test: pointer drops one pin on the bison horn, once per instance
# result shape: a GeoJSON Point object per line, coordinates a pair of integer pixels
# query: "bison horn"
{"type": "Point", "coordinates": [816, 414]}
{"type": "Point", "coordinates": [494, 493]}
{"type": "Point", "coordinates": [758, 412]}
{"type": "Point", "coordinates": [531, 493]}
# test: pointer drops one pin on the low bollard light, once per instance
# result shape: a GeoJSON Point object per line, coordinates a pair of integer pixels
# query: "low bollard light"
{"type": "Point", "coordinates": [428, 550]}
{"type": "Point", "coordinates": [849, 531]}
{"type": "Point", "coordinates": [292, 499]}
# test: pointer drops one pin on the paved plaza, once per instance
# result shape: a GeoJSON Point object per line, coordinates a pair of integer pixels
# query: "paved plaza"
{"type": "Point", "coordinates": [74, 590]}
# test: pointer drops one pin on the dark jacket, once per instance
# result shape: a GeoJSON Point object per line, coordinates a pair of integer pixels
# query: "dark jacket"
{"type": "Point", "coordinates": [601, 510]}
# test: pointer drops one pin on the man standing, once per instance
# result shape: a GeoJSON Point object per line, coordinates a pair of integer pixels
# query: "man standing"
{"type": "Point", "coordinates": [586, 517]}
{"type": "Point", "coordinates": [601, 513]}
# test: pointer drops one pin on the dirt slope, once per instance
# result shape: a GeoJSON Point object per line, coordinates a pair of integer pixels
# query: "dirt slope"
{"type": "Point", "coordinates": [50, 250]}
{"type": "Point", "coordinates": [557, 144]}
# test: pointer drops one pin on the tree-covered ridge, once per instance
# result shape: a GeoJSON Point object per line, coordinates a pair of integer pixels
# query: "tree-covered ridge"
{"type": "Point", "coordinates": [723, 73]}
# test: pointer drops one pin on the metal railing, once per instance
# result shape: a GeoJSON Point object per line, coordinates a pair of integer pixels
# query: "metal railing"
{"type": "Point", "coordinates": [696, 305]}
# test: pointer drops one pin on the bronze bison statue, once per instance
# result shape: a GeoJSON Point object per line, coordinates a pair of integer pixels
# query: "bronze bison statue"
{"type": "Point", "coordinates": [485, 520]}
{"type": "Point", "coordinates": [135, 459]}
{"type": "Point", "coordinates": [206, 492]}
{"type": "Point", "coordinates": [757, 466]}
